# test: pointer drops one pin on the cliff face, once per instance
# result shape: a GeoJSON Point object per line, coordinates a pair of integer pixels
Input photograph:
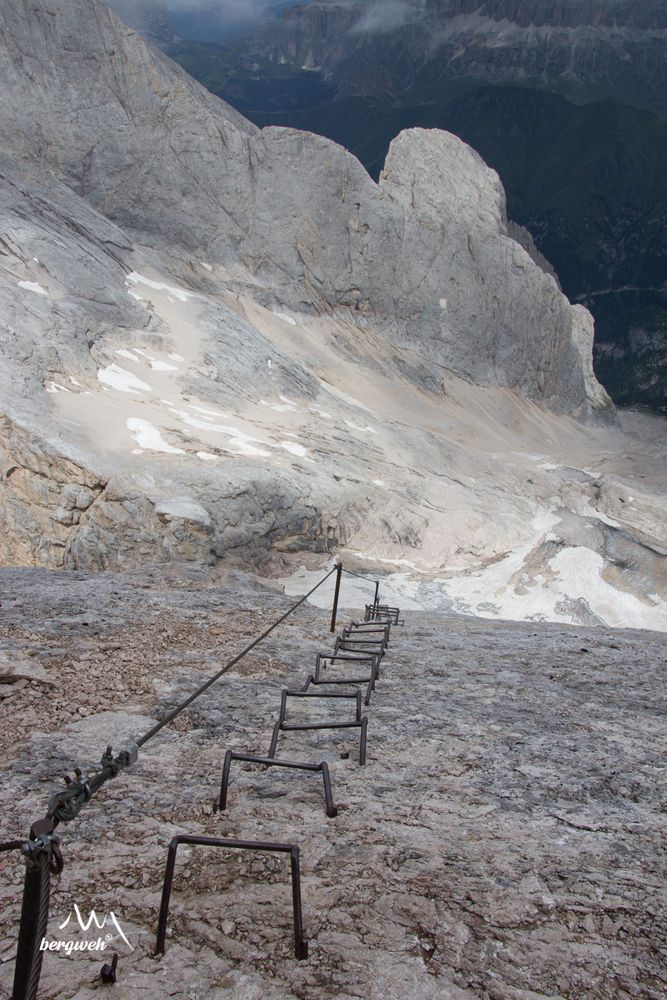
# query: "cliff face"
{"type": "Point", "coordinates": [221, 343]}
{"type": "Point", "coordinates": [145, 146]}
{"type": "Point", "coordinates": [605, 47]}
{"type": "Point", "coordinates": [640, 14]}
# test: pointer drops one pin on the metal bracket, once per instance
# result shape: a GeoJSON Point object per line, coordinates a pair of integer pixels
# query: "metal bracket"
{"type": "Point", "coordinates": [321, 662]}
{"type": "Point", "coordinates": [359, 722]}
{"type": "Point", "coordinates": [322, 695]}
{"type": "Point", "coordinates": [381, 613]}
{"type": "Point", "coordinates": [353, 645]}
{"type": "Point", "coordinates": [347, 656]}
{"type": "Point", "coordinates": [300, 942]}
{"type": "Point", "coordinates": [272, 762]}
{"type": "Point", "coordinates": [368, 628]}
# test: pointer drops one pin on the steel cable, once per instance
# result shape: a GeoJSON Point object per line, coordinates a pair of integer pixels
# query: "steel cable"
{"type": "Point", "coordinates": [207, 684]}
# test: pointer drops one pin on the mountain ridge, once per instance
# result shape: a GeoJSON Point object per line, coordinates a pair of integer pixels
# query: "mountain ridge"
{"type": "Point", "coordinates": [621, 46]}
{"type": "Point", "coordinates": [226, 345]}
{"type": "Point", "coordinates": [586, 177]}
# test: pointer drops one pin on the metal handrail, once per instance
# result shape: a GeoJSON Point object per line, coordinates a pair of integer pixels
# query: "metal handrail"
{"type": "Point", "coordinates": [228, 666]}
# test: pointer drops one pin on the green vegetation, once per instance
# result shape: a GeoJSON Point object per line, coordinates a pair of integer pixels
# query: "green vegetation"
{"type": "Point", "coordinates": [248, 84]}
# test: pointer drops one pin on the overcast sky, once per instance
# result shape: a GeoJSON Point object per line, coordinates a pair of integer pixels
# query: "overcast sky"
{"type": "Point", "coordinates": [229, 10]}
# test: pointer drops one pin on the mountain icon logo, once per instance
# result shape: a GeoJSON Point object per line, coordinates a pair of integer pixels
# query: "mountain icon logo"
{"type": "Point", "coordinates": [108, 922]}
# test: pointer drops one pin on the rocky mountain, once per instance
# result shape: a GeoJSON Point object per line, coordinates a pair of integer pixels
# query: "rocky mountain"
{"type": "Point", "coordinates": [588, 182]}
{"type": "Point", "coordinates": [597, 48]}
{"type": "Point", "coordinates": [221, 343]}
{"type": "Point", "coordinates": [566, 100]}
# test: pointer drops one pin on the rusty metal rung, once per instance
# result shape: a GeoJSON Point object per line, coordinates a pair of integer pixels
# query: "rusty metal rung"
{"type": "Point", "coordinates": [352, 656]}
{"type": "Point", "coordinates": [382, 612]}
{"type": "Point", "coordinates": [322, 660]}
{"type": "Point", "coordinates": [362, 726]}
{"type": "Point", "coordinates": [360, 646]}
{"type": "Point", "coordinates": [323, 695]}
{"type": "Point", "coordinates": [346, 641]}
{"type": "Point", "coordinates": [368, 628]}
{"type": "Point", "coordinates": [300, 941]}
{"type": "Point", "coordinates": [270, 761]}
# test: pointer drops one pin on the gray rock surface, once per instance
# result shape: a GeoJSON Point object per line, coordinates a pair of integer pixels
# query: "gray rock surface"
{"type": "Point", "coordinates": [506, 838]}
{"type": "Point", "coordinates": [297, 211]}
{"type": "Point", "coordinates": [225, 344]}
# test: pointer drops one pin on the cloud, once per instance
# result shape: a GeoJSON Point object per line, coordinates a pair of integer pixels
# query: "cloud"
{"type": "Point", "coordinates": [221, 11]}
{"type": "Point", "coordinates": [217, 20]}
{"type": "Point", "coordinates": [385, 15]}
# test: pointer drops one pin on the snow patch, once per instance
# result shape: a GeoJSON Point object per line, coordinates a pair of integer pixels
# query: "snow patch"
{"type": "Point", "coordinates": [579, 573]}
{"type": "Point", "coordinates": [163, 366]}
{"type": "Point", "coordinates": [321, 413]}
{"type": "Point", "coordinates": [239, 440]}
{"type": "Point", "coordinates": [208, 413]}
{"type": "Point", "coordinates": [294, 449]}
{"type": "Point", "coordinates": [285, 318]}
{"type": "Point", "coordinates": [508, 589]}
{"type": "Point", "coordinates": [245, 448]}
{"type": "Point", "coordinates": [149, 437]}
{"type": "Point", "coordinates": [287, 407]}
{"type": "Point", "coordinates": [206, 456]}
{"type": "Point", "coordinates": [33, 286]}
{"type": "Point", "coordinates": [364, 430]}
{"type": "Point", "coordinates": [159, 286]}
{"type": "Point", "coordinates": [119, 378]}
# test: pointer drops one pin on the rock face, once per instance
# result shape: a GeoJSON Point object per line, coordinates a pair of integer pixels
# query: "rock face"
{"type": "Point", "coordinates": [611, 47]}
{"type": "Point", "coordinates": [548, 94]}
{"type": "Point", "coordinates": [150, 17]}
{"type": "Point", "coordinates": [298, 212]}
{"type": "Point", "coordinates": [505, 837]}
{"type": "Point", "coordinates": [221, 343]}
